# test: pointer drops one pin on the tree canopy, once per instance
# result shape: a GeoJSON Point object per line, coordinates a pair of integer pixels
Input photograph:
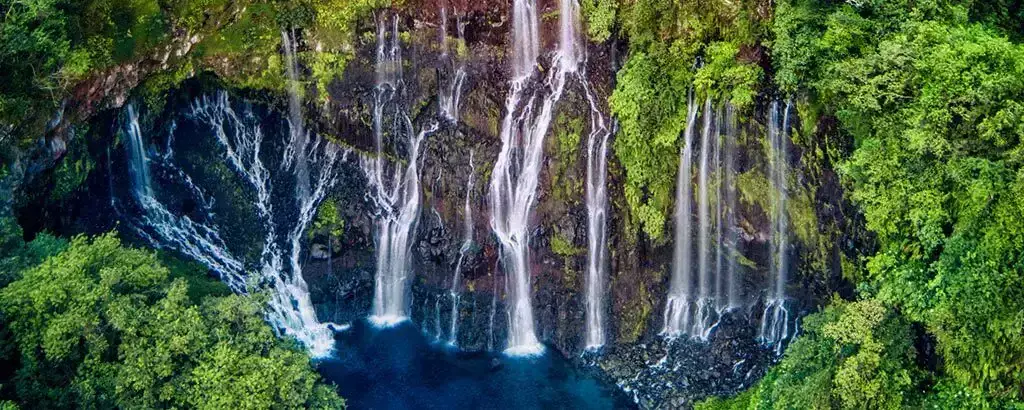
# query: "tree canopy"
{"type": "Point", "coordinates": [101, 325]}
{"type": "Point", "coordinates": [930, 94]}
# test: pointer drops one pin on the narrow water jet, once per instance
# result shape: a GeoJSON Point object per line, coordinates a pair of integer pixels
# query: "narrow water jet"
{"type": "Point", "coordinates": [731, 235]}
{"type": "Point", "coordinates": [677, 305]}
{"type": "Point", "coordinates": [394, 189]}
{"type": "Point", "coordinates": [597, 235]}
{"type": "Point", "coordinates": [297, 124]}
{"type": "Point", "coordinates": [525, 39]}
{"type": "Point", "coordinates": [454, 70]}
{"type": "Point", "coordinates": [289, 308]}
{"type": "Point", "coordinates": [704, 302]}
{"type": "Point", "coordinates": [774, 329]}
{"type": "Point", "coordinates": [437, 319]}
{"type": "Point", "coordinates": [467, 243]}
{"type": "Point", "coordinates": [494, 310]}
{"type": "Point", "coordinates": [720, 279]}
{"type": "Point", "coordinates": [516, 173]}
{"type": "Point", "coordinates": [138, 158]}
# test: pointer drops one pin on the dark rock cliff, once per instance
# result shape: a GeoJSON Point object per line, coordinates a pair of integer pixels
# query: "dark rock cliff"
{"type": "Point", "coordinates": [339, 269]}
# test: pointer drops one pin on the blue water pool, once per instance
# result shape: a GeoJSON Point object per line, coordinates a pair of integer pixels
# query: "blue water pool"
{"type": "Point", "coordinates": [398, 368]}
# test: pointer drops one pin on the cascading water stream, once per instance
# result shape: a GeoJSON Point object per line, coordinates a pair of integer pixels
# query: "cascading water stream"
{"type": "Point", "coordinates": [731, 234]}
{"type": "Point", "coordinates": [705, 303]}
{"type": "Point", "coordinates": [525, 41]}
{"type": "Point", "coordinates": [139, 161]}
{"type": "Point", "coordinates": [290, 305]}
{"type": "Point", "coordinates": [297, 124]}
{"type": "Point", "coordinates": [467, 244]}
{"type": "Point", "coordinates": [395, 192]}
{"type": "Point", "coordinates": [516, 172]}
{"type": "Point", "coordinates": [437, 318]}
{"type": "Point", "coordinates": [774, 328]}
{"type": "Point", "coordinates": [450, 86]}
{"type": "Point", "coordinates": [597, 235]}
{"type": "Point", "coordinates": [677, 306]}
{"type": "Point", "coordinates": [290, 310]}
{"type": "Point", "coordinates": [717, 278]}
{"type": "Point", "coordinates": [191, 237]}
{"type": "Point", "coordinates": [721, 300]}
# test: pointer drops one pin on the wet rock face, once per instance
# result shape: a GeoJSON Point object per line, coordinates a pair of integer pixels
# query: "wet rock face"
{"type": "Point", "coordinates": [656, 373]}
{"type": "Point", "coordinates": [672, 374]}
{"type": "Point", "coordinates": [339, 270]}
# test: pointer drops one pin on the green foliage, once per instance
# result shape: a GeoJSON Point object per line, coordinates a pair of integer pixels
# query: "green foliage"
{"type": "Point", "coordinates": [562, 246]}
{"type": "Point", "coordinates": [931, 98]}
{"type": "Point", "coordinates": [650, 102]}
{"type": "Point", "coordinates": [325, 67]}
{"type": "Point", "coordinates": [754, 189]}
{"type": "Point", "coordinates": [333, 31]}
{"type": "Point", "coordinates": [648, 21]}
{"type": "Point", "coordinates": [18, 255]}
{"type": "Point", "coordinates": [52, 45]}
{"type": "Point", "coordinates": [852, 355]}
{"type": "Point", "coordinates": [334, 21]}
{"type": "Point", "coordinates": [102, 325]}
{"type": "Point", "coordinates": [945, 195]}
{"type": "Point", "coordinates": [566, 181]}
{"type": "Point", "coordinates": [742, 401]}
{"type": "Point", "coordinates": [930, 93]}
{"type": "Point", "coordinates": [34, 48]}
{"type": "Point", "coordinates": [154, 90]}
{"type": "Point", "coordinates": [724, 78]}
{"type": "Point", "coordinates": [200, 285]}
{"type": "Point", "coordinates": [600, 16]}
{"type": "Point", "coordinates": [635, 312]}
{"type": "Point", "coordinates": [246, 53]}
{"type": "Point", "coordinates": [49, 45]}
{"type": "Point", "coordinates": [328, 220]}
{"type": "Point", "coordinates": [651, 93]}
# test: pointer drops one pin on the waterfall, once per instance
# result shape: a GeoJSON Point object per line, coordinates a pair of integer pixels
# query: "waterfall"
{"type": "Point", "coordinates": [731, 234]}
{"type": "Point", "coordinates": [677, 306]}
{"type": "Point", "coordinates": [450, 85]}
{"type": "Point", "coordinates": [194, 238]}
{"type": "Point", "coordinates": [139, 161]}
{"type": "Point", "coordinates": [467, 244]}
{"type": "Point", "coordinates": [494, 310]}
{"type": "Point", "coordinates": [698, 313]}
{"type": "Point", "coordinates": [721, 300]}
{"type": "Point", "coordinates": [775, 320]}
{"type": "Point", "coordinates": [394, 190]}
{"type": "Point", "coordinates": [516, 172]}
{"type": "Point", "coordinates": [704, 302]}
{"type": "Point", "coordinates": [444, 31]}
{"type": "Point", "coordinates": [525, 39]}
{"type": "Point", "coordinates": [597, 235]}
{"type": "Point", "coordinates": [568, 26]}
{"type": "Point", "coordinates": [240, 136]}
{"type": "Point", "coordinates": [110, 177]}
{"type": "Point", "coordinates": [437, 318]}
{"type": "Point", "coordinates": [290, 306]}
{"type": "Point", "coordinates": [297, 124]}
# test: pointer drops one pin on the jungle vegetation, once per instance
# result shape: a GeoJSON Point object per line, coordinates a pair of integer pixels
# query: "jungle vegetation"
{"type": "Point", "coordinates": [928, 96]}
